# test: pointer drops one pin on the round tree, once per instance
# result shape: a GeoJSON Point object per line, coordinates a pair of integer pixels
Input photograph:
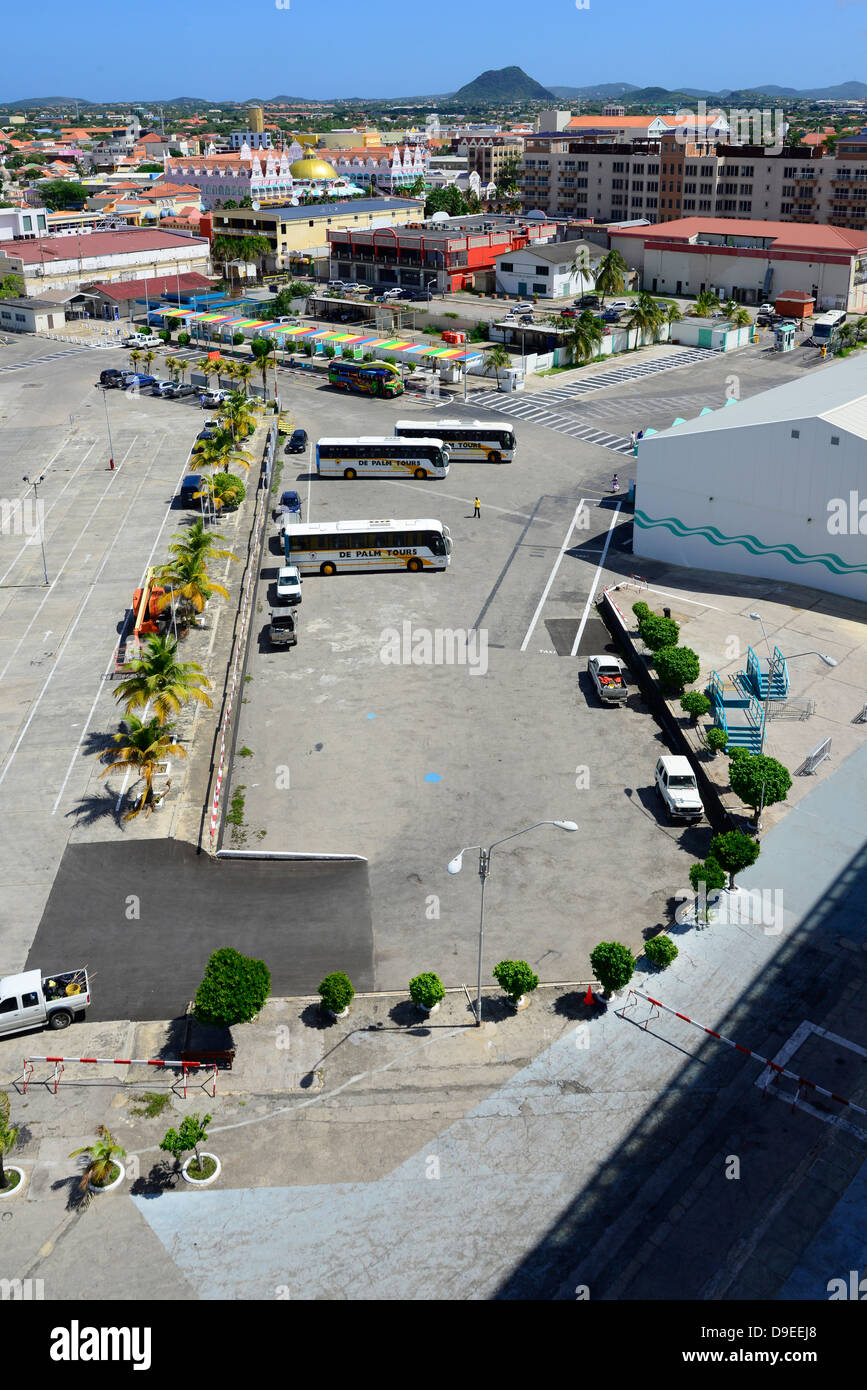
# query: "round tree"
{"type": "Point", "coordinates": [238, 339]}
{"type": "Point", "coordinates": [426, 990]}
{"type": "Point", "coordinates": [676, 667]}
{"type": "Point", "coordinates": [183, 339]}
{"type": "Point", "coordinates": [656, 632]}
{"type": "Point", "coordinates": [336, 992]}
{"type": "Point", "coordinates": [695, 703]}
{"type": "Point", "coordinates": [734, 851]}
{"type": "Point", "coordinates": [612, 964]}
{"type": "Point", "coordinates": [233, 990]}
{"type": "Point", "coordinates": [661, 950]}
{"type": "Point", "coordinates": [758, 780]}
{"type": "Point", "coordinates": [716, 739]}
{"type": "Point", "coordinates": [190, 1134]}
{"type": "Point", "coordinates": [641, 610]}
{"type": "Point", "coordinates": [515, 978]}
{"type": "Point", "coordinates": [706, 878]}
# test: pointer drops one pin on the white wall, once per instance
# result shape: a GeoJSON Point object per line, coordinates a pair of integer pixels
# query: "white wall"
{"type": "Point", "coordinates": [768, 489]}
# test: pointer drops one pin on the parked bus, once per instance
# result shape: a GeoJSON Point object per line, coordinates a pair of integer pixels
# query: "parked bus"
{"type": "Point", "coordinates": [825, 328]}
{"type": "Point", "coordinates": [326, 547]}
{"type": "Point", "coordinates": [372, 456]}
{"type": "Point", "coordinates": [365, 378]}
{"type": "Point", "coordinates": [466, 439]}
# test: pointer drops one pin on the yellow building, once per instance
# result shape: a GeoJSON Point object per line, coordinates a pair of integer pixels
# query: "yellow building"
{"type": "Point", "coordinates": [293, 231]}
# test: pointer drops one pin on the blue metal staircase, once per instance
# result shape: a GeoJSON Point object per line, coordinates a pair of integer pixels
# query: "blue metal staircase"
{"type": "Point", "coordinates": [737, 711]}
{"type": "Point", "coordinates": [756, 676]}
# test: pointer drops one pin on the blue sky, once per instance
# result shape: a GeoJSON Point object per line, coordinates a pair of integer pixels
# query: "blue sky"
{"type": "Point", "coordinates": [237, 49]}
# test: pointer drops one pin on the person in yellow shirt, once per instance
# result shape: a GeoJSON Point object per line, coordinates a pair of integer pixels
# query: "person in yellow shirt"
{"type": "Point", "coordinates": [477, 507]}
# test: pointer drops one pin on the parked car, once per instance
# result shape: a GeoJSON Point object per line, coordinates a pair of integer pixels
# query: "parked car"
{"type": "Point", "coordinates": [207, 432]}
{"type": "Point", "coordinates": [606, 673]}
{"type": "Point", "coordinates": [138, 381]}
{"type": "Point", "coordinates": [677, 787]}
{"type": "Point", "coordinates": [290, 501]}
{"type": "Point", "coordinates": [334, 285]}
{"type": "Point", "coordinates": [142, 340]}
{"type": "Point", "coordinates": [766, 309]}
{"type": "Point", "coordinates": [283, 627]}
{"type": "Point", "coordinates": [620, 304]}
{"type": "Point", "coordinates": [161, 388]}
{"type": "Point", "coordinates": [210, 398]}
{"type": "Point", "coordinates": [587, 301]}
{"type": "Point", "coordinates": [610, 316]}
{"type": "Point", "coordinates": [522, 304]}
{"type": "Point", "coordinates": [180, 388]}
{"type": "Point", "coordinates": [32, 1001]}
{"type": "Point", "coordinates": [296, 443]}
{"type": "Point", "coordinates": [190, 485]}
{"type": "Point", "coordinates": [569, 313]}
{"type": "Point", "coordinates": [112, 376]}
{"type": "Point", "coordinates": [289, 584]}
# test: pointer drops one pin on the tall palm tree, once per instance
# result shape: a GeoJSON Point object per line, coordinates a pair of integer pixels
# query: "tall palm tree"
{"type": "Point", "coordinates": [134, 359]}
{"type": "Point", "coordinates": [646, 315]}
{"type": "Point", "coordinates": [672, 314]}
{"type": "Point", "coordinates": [585, 338]}
{"type": "Point", "coordinates": [147, 358]}
{"type": "Point", "coordinates": [102, 1156]}
{"type": "Point", "coordinates": [611, 275]}
{"type": "Point", "coordinates": [239, 413]}
{"type": "Point", "coordinates": [186, 576]}
{"type": "Point", "coordinates": [861, 328]}
{"type": "Point", "coordinates": [263, 351]}
{"type": "Point", "coordinates": [208, 368]}
{"type": "Point", "coordinates": [221, 450]}
{"type": "Point", "coordinates": [142, 746]}
{"type": "Point", "coordinates": [159, 678]}
{"type": "Point", "coordinates": [580, 265]}
{"type": "Point", "coordinates": [706, 304]}
{"type": "Point", "coordinates": [242, 373]}
{"type": "Point", "coordinates": [494, 360]}
{"type": "Point", "coordinates": [740, 317]}
{"type": "Point", "coordinates": [196, 540]}
{"type": "Point", "coordinates": [171, 366]}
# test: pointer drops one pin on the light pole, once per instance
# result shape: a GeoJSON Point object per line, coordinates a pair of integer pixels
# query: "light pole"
{"type": "Point", "coordinates": [454, 867]}
{"type": "Point", "coordinates": [36, 482]}
{"type": "Point", "coordinates": [772, 671]}
{"type": "Point", "coordinates": [108, 427]}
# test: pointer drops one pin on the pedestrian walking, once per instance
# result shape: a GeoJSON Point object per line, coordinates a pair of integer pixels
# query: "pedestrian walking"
{"type": "Point", "coordinates": [632, 438]}
{"type": "Point", "coordinates": [640, 435]}
{"type": "Point", "coordinates": [477, 507]}
{"type": "Point", "coordinates": [615, 485]}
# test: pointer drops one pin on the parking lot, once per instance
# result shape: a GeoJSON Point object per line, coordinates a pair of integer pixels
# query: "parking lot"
{"type": "Point", "coordinates": [339, 752]}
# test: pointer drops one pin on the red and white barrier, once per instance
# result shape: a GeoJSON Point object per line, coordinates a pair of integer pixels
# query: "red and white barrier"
{"type": "Point", "coordinates": [60, 1066]}
{"type": "Point", "coordinates": [802, 1081]}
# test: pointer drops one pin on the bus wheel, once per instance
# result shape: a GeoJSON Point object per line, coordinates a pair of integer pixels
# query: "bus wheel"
{"type": "Point", "coordinates": [494, 457]}
{"type": "Point", "coordinates": [349, 473]}
{"type": "Point", "coordinates": [414, 565]}
{"type": "Point", "coordinates": [328, 568]}
{"type": "Point", "coordinates": [421, 473]}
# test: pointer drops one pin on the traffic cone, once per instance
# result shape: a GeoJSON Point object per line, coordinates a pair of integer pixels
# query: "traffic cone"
{"type": "Point", "coordinates": [588, 997]}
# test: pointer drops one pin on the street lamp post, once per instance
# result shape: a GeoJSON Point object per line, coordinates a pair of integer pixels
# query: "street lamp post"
{"type": "Point", "coordinates": [772, 671]}
{"type": "Point", "coordinates": [108, 427]}
{"type": "Point", "coordinates": [36, 482]}
{"type": "Point", "coordinates": [454, 867]}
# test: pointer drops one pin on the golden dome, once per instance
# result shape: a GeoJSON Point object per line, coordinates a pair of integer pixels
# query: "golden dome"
{"type": "Point", "coordinates": [312, 169]}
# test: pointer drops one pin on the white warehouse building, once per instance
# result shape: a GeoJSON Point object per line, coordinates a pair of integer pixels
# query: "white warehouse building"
{"type": "Point", "coordinates": [774, 486]}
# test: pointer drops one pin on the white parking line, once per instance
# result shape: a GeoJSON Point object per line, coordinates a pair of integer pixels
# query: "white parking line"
{"type": "Point", "coordinates": [551, 577]}
{"type": "Point", "coordinates": [590, 596]}
{"type": "Point", "coordinates": [48, 510]}
{"type": "Point", "coordinates": [467, 501]}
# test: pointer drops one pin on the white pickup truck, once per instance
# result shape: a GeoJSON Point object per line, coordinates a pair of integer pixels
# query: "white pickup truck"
{"type": "Point", "coordinates": [33, 1000]}
{"type": "Point", "coordinates": [606, 673]}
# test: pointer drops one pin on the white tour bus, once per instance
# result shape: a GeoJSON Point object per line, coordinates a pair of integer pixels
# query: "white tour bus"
{"type": "Point", "coordinates": [374, 456]}
{"type": "Point", "coordinates": [466, 439]}
{"type": "Point", "coordinates": [825, 328]}
{"type": "Point", "coordinates": [327, 547]}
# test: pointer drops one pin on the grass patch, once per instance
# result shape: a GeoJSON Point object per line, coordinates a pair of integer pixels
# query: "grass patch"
{"type": "Point", "coordinates": [151, 1104]}
{"type": "Point", "coordinates": [206, 1169]}
{"type": "Point", "coordinates": [275, 474]}
{"type": "Point", "coordinates": [447, 314]}
{"type": "Point", "coordinates": [246, 753]}
{"type": "Point", "coordinates": [235, 814]}
{"type": "Point", "coordinates": [12, 1179]}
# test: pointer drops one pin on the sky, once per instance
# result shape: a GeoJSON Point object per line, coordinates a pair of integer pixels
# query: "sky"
{"type": "Point", "coordinates": [230, 50]}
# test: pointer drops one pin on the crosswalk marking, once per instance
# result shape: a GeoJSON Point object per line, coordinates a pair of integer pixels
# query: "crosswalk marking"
{"type": "Point", "coordinates": [48, 357]}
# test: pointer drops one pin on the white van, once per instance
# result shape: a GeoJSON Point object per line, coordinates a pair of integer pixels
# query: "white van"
{"type": "Point", "coordinates": [676, 785]}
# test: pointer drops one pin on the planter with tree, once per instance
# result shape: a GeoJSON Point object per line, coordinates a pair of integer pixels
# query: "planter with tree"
{"type": "Point", "coordinates": [11, 1177]}
{"type": "Point", "coordinates": [707, 879]}
{"type": "Point", "coordinates": [657, 632]}
{"type": "Point", "coordinates": [200, 1169]}
{"type": "Point", "coordinates": [695, 703]}
{"type": "Point", "coordinates": [676, 667]}
{"type": "Point", "coordinates": [758, 780]}
{"type": "Point", "coordinates": [427, 991]}
{"type": "Point", "coordinates": [660, 950]}
{"type": "Point", "coordinates": [516, 980]}
{"type": "Point", "coordinates": [613, 964]}
{"type": "Point", "coordinates": [716, 740]}
{"type": "Point", "coordinates": [734, 851]}
{"type": "Point", "coordinates": [336, 993]}
{"type": "Point", "coordinates": [233, 989]}
{"type": "Point", "coordinates": [103, 1170]}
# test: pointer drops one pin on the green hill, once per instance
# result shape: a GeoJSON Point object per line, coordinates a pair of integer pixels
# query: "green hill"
{"type": "Point", "coordinates": [499, 85]}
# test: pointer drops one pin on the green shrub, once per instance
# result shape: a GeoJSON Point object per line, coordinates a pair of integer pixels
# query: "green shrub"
{"type": "Point", "coordinates": [758, 780]}
{"type": "Point", "coordinates": [229, 488]}
{"type": "Point", "coordinates": [612, 964]}
{"type": "Point", "coordinates": [336, 992]}
{"type": "Point", "coordinates": [641, 610]}
{"type": "Point", "coordinates": [426, 989]}
{"type": "Point", "coordinates": [233, 990]}
{"type": "Point", "coordinates": [183, 339]}
{"type": "Point", "coordinates": [676, 667]}
{"type": "Point", "coordinates": [716, 739]}
{"type": "Point", "coordinates": [189, 1135]}
{"type": "Point", "coordinates": [330, 351]}
{"type": "Point", "coordinates": [165, 335]}
{"type": "Point", "coordinates": [661, 950]}
{"type": "Point", "coordinates": [238, 339]}
{"type": "Point", "coordinates": [515, 978]}
{"type": "Point", "coordinates": [479, 333]}
{"type": "Point", "coordinates": [709, 873]}
{"type": "Point", "coordinates": [656, 632]}
{"type": "Point", "coordinates": [695, 703]}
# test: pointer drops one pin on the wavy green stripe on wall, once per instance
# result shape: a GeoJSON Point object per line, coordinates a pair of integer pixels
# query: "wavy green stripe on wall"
{"type": "Point", "coordinates": [789, 552]}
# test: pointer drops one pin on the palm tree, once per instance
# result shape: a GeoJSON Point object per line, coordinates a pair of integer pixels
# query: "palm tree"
{"type": "Point", "coordinates": [186, 576]}
{"type": "Point", "coordinates": [160, 678]}
{"type": "Point", "coordinates": [672, 314]}
{"type": "Point", "coordinates": [8, 1135]}
{"type": "Point", "coordinates": [239, 413]}
{"type": "Point", "coordinates": [580, 265]}
{"type": "Point", "coordinates": [142, 746]}
{"type": "Point", "coordinates": [646, 315]}
{"type": "Point", "coordinates": [242, 372]}
{"type": "Point", "coordinates": [221, 450]}
{"type": "Point", "coordinates": [134, 358]}
{"type": "Point", "coordinates": [101, 1159]}
{"type": "Point", "coordinates": [263, 350]}
{"type": "Point", "coordinates": [585, 338]}
{"type": "Point", "coordinates": [196, 540]}
{"type": "Point", "coordinates": [861, 328]}
{"type": "Point", "coordinates": [171, 366]}
{"type": "Point", "coordinates": [611, 274]}
{"type": "Point", "coordinates": [706, 304]}
{"type": "Point", "coordinates": [741, 317]}
{"type": "Point", "coordinates": [148, 358]}
{"type": "Point", "coordinates": [208, 368]}
{"type": "Point", "coordinates": [494, 360]}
